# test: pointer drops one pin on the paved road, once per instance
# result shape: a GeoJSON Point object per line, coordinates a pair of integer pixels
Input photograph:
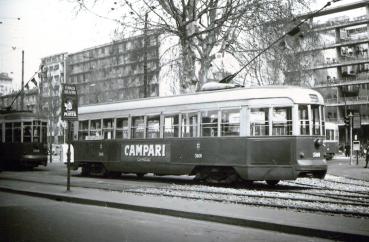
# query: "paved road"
{"type": "Point", "coordinates": [31, 219]}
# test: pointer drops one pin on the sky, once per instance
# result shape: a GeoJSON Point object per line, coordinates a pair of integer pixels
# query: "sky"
{"type": "Point", "coordinates": [48, 27]}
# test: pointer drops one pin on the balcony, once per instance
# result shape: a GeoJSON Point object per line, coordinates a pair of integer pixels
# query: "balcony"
{"type": "Point", "coordinates": [340, 121]}
{"type": "Point", "coordinates": [359, 100]}
{"type": "Point", "coordinates": [360, 78]}
{"type": "Point", "coordinates": [344, 23]}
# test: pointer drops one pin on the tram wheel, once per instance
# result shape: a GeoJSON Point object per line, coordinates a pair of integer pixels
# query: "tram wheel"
{"type": "Point", "coordinates": [85, 171]}
{"type": "Point", "coordinates": [272, 182]}
{"type": "Point", "coordinates": [140, 175]}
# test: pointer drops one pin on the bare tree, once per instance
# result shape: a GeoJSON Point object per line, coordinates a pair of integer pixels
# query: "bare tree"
{"type": "Point", "coordinates": [205, 28]}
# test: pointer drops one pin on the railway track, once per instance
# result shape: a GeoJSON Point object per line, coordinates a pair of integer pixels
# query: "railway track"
{"type": "Point", "coordinates": [304, 195]}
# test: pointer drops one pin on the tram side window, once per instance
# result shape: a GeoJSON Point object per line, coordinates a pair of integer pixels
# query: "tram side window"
{"type": "Point", "coordinates": [138, 127]}
{"type": "Point", "coordinates": [282, 121]}
{"type": "Point", "coordinates": [95, 129]}
{"type": "Point", "coordinates": [209, 123]}
{"type": "Point", "coordinates": [316, 119]}
{"type": "Point", "coordinates": [153, 127]}
{"type": "Point", "coordinates": [27, 132]}
{"type": "Point", "coordinates": [44, 132]}
{"type": "Point", "coordinates": [304, 119]}
{"type": "Point", "coordinates": [83, 130]}
{"type": "Point", "coordinates": [121, 131]}
{"type": "Point", "coordinates": [108, 128]}
{"type": "Point", "coordinates": [36, 131]}
{"type": "Point", "coordinates": [171, 126]}
{"type": "Point", "coordinates": [259, 121]}
{"type": "Point", "coordinates": [8, 133]}
{"type": "Point", "coordinates": [230, 125]}
{"type": "Point", "coordinates": [189, 125]}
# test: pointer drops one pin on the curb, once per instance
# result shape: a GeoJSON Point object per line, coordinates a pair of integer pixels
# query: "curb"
{"type": "Point", "coordinates": [271, 226]}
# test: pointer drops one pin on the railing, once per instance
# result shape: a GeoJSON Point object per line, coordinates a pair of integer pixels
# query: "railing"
{"type": "Point", "coordinates": [347, 100]}
{"type": "Point", "coordinates": [341, 22]}
{"type": "Point", "coordinates": [360, 78]}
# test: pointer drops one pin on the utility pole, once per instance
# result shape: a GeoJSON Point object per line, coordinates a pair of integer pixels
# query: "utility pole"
{"type": "Point", "coordinates": [350, 116]}
{"type": "Point", "coordinates": [145, 55]}
{"type": "Point", "coordinates": [22, 88]}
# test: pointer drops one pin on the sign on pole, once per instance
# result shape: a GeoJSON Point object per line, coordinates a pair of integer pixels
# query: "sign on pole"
{"type": "Point", "coordinates": [356, 121]}
{"type": "Point", "coordinates": [69, 102]}
{"type": "Point", "coordinates": [69, 113]}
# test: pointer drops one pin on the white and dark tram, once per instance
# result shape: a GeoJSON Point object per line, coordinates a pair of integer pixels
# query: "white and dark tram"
{"type": "Point", "coordinates": [266, 133]}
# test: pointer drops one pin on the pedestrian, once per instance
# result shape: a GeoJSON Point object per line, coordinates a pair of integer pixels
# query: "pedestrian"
{"type": "Point", "coordinates": [367, 157]}
{"type": "Point", "coordinates": [347, 150]}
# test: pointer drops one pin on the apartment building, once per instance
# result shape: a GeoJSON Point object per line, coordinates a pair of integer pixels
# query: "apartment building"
{"type": "Point", "coordinates": [30, 100]}
{"type": "Point", "coordinates": [52, 76]}
{"type": "Point", "coordinates": [339, 66]}
{"type": "Point", "coordinates": [5, 83]}
{"type": "Point", "coordinates": [120, 70]}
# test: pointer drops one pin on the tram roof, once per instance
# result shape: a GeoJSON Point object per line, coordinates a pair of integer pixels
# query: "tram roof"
{"type": "Point", "coordinates": [19, 114]}
{"type": "Point", "coordinates": [296, 94]}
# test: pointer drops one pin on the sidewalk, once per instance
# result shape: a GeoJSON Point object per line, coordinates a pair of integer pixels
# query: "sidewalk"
{"type": "Point", "coordinates": [340, 166]}
{"type": "Point", "coordinates": [288, 221]}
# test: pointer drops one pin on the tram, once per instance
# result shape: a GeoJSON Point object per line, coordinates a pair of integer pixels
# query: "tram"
{"type": "Point", "coordinates": [331, 142]}
{"type": "Point", "coordinates": [265, 133]}
{"type": "Point", "coordinates": [23, 139]}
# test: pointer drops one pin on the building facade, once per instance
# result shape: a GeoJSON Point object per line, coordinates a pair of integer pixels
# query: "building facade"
{"type": "Point", "coordinates": [120, 70]}
{"type": "Point", "coordinates": [339, 66]}
{"type": "Point", "coordinates": [30, 100]}
{"type": "Point", "coordinates": [5, 84]}
{"type": "Point", "coordinates": [52, 76]}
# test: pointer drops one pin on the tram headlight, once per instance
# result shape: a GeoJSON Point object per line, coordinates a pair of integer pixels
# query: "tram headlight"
{"type": "Point", "coordinates": [302, 155]}
{"type": "Point", "coordinates": [318, 142]}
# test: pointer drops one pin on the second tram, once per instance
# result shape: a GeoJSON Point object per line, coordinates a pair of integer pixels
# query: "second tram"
{"type": "Point", "coordinates": [268, 133]}
{"type": "Point", "coordinates": [23, 139]}
{"type": "Point", "coordinates": [331, 142]}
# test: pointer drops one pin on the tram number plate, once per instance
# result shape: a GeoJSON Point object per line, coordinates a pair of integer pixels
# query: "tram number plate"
{"type": "Point", "coordinates": [36, 151]}
{"type": "Point", "coordinates": [316, 154]}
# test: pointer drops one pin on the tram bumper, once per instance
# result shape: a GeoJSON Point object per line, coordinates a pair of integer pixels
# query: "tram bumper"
{"type": "Point", "coordinates": [311, 168]}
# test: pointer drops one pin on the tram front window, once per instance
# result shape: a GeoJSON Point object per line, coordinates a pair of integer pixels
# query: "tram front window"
{"type": "Point", "coordinates": [27, 132]}
{"type": "Point", "coordinates": [315, 119]}
{"type": "Point", "coordinates": [259, 121]}
{"type": "Point", "coordinates": [304, 119]}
